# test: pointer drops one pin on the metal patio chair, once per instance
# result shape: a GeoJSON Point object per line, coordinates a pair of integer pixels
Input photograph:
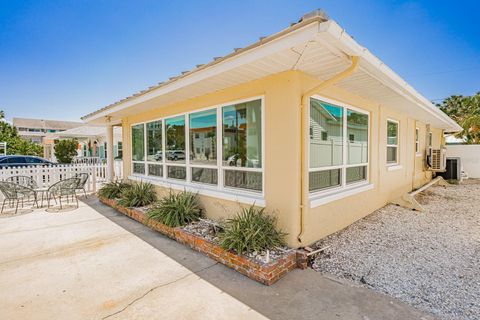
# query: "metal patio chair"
{"type": "Point", "coordinates": [25, 181]}
{"type": "Point", "coordinates": [83, 178]}
{"type": "Point", "coordinates": [63, 188]}
{"type": "Point", "coordinates": [14, 192]}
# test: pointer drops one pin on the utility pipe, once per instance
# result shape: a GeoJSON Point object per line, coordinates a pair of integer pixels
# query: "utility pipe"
{"type": "Point", "coordinates": [305, 101]}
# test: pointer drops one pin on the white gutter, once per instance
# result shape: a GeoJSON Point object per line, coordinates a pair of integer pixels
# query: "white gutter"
{"type": "Point", "coordinates": [329, 33]}
{"type": "Point", "coordinates": [382, 72]}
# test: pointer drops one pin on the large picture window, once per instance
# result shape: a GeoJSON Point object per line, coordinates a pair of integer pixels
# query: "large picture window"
{"type": "Point", "coordinates": [175, 147]}
{"type": "Point", "coordinates": [203, 146]}
{"type": "Point", "coordinates": [392, 142]}
{"type": "Point", "coordinates": [219, 147]}
{"type": "Point", "coordinates": [138, 139]}
{"type": "Point", "coordinates": [155, 148]}
{"type": "Point", "coordinates": [138, 148]}
{"type": "Point", "coordinates": [338, 145]}
{"type": "Point", "coordinates": [242, 145]}
{"type": "Point", "coordinates": [203, 137]}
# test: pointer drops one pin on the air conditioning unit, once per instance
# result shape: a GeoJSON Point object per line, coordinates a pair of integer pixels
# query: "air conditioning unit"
{"type": "Point", "coordinates": [437, 161]}
{"type": "Point", "coordinates": [453, 170]}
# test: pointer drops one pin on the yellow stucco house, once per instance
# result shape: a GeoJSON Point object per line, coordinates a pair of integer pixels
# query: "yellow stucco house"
{"type": "Point", "coordinates": [305, 122]}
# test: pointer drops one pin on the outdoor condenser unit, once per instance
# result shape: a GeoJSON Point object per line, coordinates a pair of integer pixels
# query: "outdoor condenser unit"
{"type": "Point", "coordinates": [437, 161]}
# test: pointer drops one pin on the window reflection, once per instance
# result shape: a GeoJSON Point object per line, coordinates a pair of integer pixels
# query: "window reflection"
{"type": "Point", "coordinates": [203, 137]}
{"type": "Point", "coordinates": [154, 141]}
{"type": "Point", "coordinates": [242, 135]}
{"type": "Point", "coordinates": [138, 147]}
{"type": "Point", "coordinates": [175, 139]}
{"type": "Point", "coordinates": [326, 127]}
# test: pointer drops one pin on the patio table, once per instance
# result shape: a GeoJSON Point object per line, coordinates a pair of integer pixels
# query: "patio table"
{"type": "Point", "coordinates": [42, 191]}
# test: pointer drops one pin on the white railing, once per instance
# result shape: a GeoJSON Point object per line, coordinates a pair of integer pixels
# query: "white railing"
{"type": "Point", "coordinates": [87, 160]}
{"type": "Point", "coordinates": [45, 176]}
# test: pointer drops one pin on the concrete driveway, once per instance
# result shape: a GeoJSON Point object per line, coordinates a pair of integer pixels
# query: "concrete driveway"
{"type": "Point", "coordinates": [80, 265]}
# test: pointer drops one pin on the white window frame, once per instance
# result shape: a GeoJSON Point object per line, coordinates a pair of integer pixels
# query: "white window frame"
{"type": "Point", "coordinates": [397, 146]}
{"type": "Point", "coordinates": [144, 162]}
{"type": "Point", "coordinates": [162, 163]}
{"type": "Point", "coordinates": [119, 148]}
{"type": "Point", "coordinates": [315, 195]}
{"type": "Point", "coordinates": [417, 142]}
{"type": "Point", "coordinates": [219, 190]}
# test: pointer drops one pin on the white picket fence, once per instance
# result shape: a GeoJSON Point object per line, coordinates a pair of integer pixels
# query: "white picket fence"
{"type": "Point", "coordinates": [46, 176]}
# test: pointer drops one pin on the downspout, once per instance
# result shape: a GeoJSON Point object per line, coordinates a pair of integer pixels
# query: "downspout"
{"type": "Point", "coordinates": [305, 101]}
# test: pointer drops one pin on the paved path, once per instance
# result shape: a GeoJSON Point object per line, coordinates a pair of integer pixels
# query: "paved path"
{"type": "Point", "coordinates": [94, 263]}
{"type": "Point", "coordinates": [302, 294]}
{"type": "Point", "coordinates": [80, 265]}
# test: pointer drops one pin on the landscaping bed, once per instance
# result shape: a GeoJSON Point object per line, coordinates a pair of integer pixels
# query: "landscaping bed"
{"type": "Point", "coordinates": [266, 267]}
{"type": "Point", "coordinates": [429, 259]}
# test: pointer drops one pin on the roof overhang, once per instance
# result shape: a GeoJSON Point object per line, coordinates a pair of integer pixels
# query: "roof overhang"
{"type": "Point", "coordinates": [315, 46]}
{"type": "Point", "coordinates": [84, 132]}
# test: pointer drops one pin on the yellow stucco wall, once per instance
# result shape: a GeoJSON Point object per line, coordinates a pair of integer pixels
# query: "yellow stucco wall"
{"type": "Point", "coordinates": [282, 99]}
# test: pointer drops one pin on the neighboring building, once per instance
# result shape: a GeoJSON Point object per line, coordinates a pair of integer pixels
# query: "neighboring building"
{"type": "Point", "coordinates": [91, 142]}
{"type": "Point", "coordinates": [35, 129]}
{"type": "Point", "coordinates": [306, 123]}
{"type": "Point", "coordinates": [452, 139]}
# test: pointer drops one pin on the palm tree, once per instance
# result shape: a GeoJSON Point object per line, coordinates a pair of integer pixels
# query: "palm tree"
{"type": "Point", "coordinates": [465, 110]}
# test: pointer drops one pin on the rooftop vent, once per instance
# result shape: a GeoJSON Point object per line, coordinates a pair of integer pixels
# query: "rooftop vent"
{"type": "Point", "coordinates": [314, 14]}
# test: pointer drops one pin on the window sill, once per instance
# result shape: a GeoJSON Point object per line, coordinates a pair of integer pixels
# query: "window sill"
{"type": "Point", "coordinates": [319, 200]}
{"type": "Point", "coordinates": [206, 190]}
{"type": "Point", "coordinates": [394, 167]}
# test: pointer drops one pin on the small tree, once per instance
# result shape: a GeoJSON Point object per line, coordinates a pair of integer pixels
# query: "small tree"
{"type": "Point", "coordinates": [65, 150]}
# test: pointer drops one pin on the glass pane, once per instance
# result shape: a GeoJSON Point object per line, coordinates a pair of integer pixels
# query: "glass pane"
{"type": "Point", "coordinates": [155, 170]}
{"type": "Point", "coordinates": [205, 175]}
{"type": "Point", "coordinates": [177, 172]}
{"type": "Point", "coordinates": [324, 179]}
{"type": "Point", "coordinates": [138, 143]}
{"type": "Point", "coordinates": [243, 179]}
{"type": "Point", "coordinates": [416, 141]}
{"type": "Point", "coordinates": [355, 174]}
{"type": "Point", "coordinates": [391, 154]}
{"type": "Point", "coordinates": [203, 137]}
{"type": "Point", "coordinates": [139, 168]}
{"type": "Point", "coordinates": [175, 135]}
{"type": "Point", "coordinates": [242, 135]}
{"type": "Point", "coordinates": [392, 133]}
{"type": "Point", "coordinates": [357, 132]}
{"type": "Point", "coordinates": [154, 141]}
{"type": "Point", "coordinates": [326, 134]}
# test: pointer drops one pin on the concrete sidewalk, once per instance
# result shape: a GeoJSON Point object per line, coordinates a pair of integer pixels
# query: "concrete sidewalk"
{"type": "Point", "coordinates": [94, 263]}
{"type": "Point", "coordinates": [302, 294]}
{"type": "Point", "coordinates": [79, 265]}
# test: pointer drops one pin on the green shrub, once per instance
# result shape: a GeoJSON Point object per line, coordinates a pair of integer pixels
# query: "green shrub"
{"type": "Point", "coordinates": [65, 150]}
{"type": "Point", "coordinates": [113, 190]}
{"type": "Point", "coordinates": [138, 195]}
{"type": "Point", "coordinates": [176, 209]}
{"type": "Point", "coordinates": [251, 230]}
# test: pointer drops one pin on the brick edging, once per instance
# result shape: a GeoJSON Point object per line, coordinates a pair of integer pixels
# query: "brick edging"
{"type": "Point", "coordinates": [267, 274]}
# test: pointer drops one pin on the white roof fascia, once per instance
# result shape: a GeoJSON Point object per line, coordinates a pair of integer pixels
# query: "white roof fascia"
{"type": "Point", "coordinates": [328, 33]}
{"type": "Point", "coordinates": [289, 40]}
{"type": "Point", "coordinates": [382, 72]}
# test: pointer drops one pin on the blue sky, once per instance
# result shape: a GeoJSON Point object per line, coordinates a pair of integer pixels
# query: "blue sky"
{"type": "Point", "coordinates": [63, 59]}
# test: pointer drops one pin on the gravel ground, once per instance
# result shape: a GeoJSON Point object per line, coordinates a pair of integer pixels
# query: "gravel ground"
{"type": "Point", "coordinates": [429, 259]}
